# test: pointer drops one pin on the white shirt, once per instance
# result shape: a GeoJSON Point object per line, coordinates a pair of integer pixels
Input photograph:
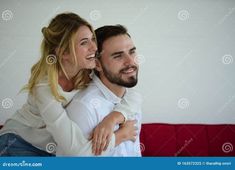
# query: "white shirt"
{"type": "Point", "coordinates": [43, 121]}
{"type": "Point", "coordinates": [90, 106]}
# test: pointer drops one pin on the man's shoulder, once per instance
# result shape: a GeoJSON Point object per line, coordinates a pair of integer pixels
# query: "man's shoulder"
{"type": "Point", "coordinates": [88, 94]}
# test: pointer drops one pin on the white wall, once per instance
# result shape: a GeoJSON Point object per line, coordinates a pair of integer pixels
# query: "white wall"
{"type": "Point", "coordinates": [186, 51]}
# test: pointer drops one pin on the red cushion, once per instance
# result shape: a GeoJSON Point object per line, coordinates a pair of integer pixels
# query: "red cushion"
{"type": "Point", "coordinates": [221, 140]}
{"type": "Point", "coordinates": [191, 140]}
{"type": "Point", "coordinates": [158, 140]}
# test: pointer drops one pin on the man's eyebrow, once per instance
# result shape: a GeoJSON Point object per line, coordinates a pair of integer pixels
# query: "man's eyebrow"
{"type": "Point", "coordinates": [120, 52]}
{"type": "Point", "coordinates": [132, 49]}
{"type": "Point", "coordinates": [117, 53]}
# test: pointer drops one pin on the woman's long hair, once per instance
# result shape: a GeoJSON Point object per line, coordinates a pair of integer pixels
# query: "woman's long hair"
{"type": "Point", "coordinates": [58, 38]}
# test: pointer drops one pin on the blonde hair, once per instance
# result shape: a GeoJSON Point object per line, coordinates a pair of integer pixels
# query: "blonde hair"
{"type": "Point", "coordinates": [58, 38]}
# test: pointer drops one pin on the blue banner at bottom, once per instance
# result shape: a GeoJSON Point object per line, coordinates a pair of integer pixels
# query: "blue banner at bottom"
{"type": "Point", "coordinates": [158, 163]}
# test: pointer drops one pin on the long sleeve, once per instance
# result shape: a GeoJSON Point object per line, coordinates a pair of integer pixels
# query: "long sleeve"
{"type": "Point", "coordinates": [65, 132]}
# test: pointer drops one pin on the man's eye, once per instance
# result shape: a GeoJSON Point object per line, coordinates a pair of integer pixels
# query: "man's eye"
{"type": "Point", "coordinates": [117, 56]}
{"type": "Point", "coordinates": [132, 52]}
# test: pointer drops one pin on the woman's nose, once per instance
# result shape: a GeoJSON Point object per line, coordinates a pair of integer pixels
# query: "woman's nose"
{"type": "Point", "coordinates": [93, 46]}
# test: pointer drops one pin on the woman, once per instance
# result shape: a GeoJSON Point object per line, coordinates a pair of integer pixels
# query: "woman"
{"type": "Point", "coordinates": [67, 56]}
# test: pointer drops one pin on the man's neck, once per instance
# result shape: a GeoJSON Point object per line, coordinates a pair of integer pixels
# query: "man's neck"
{"type": "Point", "coordinates": [116, 89]}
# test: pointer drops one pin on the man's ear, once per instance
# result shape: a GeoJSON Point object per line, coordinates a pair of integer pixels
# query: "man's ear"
{"type": "Point", "coordinates": [98, 65]}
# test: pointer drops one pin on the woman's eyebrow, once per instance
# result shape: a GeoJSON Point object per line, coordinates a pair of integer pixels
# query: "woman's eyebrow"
{"type": "Point", "coordinates": [83, 39]}
{"type": "Point", "coordinates": [87, 38]}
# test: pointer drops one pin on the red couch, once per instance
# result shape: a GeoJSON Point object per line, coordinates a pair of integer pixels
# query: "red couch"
{"type": "Point", "coordinates": [159, 139]}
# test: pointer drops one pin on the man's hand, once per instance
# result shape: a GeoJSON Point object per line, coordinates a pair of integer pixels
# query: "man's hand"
{"type": "Point", "coordinates": [128, 131]}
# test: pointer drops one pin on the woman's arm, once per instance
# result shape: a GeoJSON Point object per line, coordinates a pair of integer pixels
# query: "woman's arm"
{"type": "Point", "coordinates": [104, 130]}
{"type": "Point", "coordinates": [66, 133]}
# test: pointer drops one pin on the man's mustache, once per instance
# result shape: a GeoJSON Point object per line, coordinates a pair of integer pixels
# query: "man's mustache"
{"type": "Point", "coordinates": [128, 67]}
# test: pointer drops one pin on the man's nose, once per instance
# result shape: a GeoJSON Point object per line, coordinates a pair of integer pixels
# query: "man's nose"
{"type": "Point", "coordinates": [130, 60]}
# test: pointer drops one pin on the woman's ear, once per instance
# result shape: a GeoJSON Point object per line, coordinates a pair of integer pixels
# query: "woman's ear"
{"type": "Point", "coordinates": [57, 51]}
{"type": "Point", "coordinates": [65, 55]}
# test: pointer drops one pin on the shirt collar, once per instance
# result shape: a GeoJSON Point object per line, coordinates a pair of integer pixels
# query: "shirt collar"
{"type": "Point", "coordinates": [108, 94]}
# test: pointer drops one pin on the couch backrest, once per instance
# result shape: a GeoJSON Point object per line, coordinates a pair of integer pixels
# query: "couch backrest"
{"type": "Point", "coordinates": [159, 139]}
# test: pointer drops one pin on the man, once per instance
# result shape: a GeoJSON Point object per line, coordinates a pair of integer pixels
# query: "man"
{"type": "Point", "coordinates": [116, 70]}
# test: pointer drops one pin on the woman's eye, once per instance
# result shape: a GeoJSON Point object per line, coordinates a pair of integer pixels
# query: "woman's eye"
{"type": "Point", "coordinates": [84, 43]}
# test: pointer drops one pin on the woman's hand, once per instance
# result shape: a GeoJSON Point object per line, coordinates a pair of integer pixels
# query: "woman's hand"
{"type": "Point", "coordinates": [102, 133]}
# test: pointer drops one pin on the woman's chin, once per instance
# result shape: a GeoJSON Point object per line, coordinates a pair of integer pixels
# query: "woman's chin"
{"type": "Point", "coordinates": [90, 65]}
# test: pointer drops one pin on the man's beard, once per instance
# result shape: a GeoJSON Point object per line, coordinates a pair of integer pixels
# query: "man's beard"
{"type": "Point", "coordinates": [117, 78]}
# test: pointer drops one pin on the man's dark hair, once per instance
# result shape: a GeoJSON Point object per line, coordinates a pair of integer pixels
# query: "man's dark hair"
{"type": "Point", "coordinates": [104, 33]}
{"type": "Point", "coordinates": [108, 31]}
